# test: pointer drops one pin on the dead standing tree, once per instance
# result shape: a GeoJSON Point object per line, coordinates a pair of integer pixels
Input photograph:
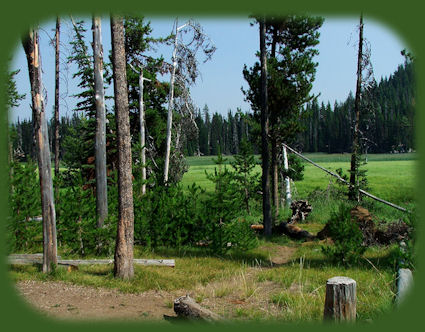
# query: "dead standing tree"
{"type": "Point", "coordinates": [365, 82]}
{"type": "Point", "coordinates": [100, 140]}
{"type": "Point", "coordinates": [184, 61]}
{"type": "Point", "coordinates": [57, 43]}
{"type": "Point", "coordinates": [123, 259]}
{"type": "Point", "coordinates": [32, 51]}
{"type": "Point", "coordinates": [265, 181]}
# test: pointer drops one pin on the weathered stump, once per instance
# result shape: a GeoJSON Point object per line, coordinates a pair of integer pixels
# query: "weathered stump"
{"type": "Point", "coordinates": [340, 302]}
{"type": "Point", "coordinates": [186, 307]}
{"type": "Point", "coordinates": [404, 283]}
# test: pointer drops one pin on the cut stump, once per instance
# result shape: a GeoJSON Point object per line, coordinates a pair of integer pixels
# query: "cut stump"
{"type": "Point", "coordinates": [340, 301]}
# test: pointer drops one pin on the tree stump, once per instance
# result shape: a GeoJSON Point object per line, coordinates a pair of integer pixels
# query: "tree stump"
{"type": "Point", "coordinates": [340, 302]}
{"type": "Point", "coordinates": [186, 307]}
{"type": "Point", "coordinates": [404, 283]}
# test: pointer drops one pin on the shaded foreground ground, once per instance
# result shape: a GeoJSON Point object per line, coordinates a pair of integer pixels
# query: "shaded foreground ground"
{"type": "Point", "coordinates": [232, 297]}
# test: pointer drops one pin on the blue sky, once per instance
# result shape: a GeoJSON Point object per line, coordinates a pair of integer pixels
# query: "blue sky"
{"type": "Point", "coordinates": [237, 42]}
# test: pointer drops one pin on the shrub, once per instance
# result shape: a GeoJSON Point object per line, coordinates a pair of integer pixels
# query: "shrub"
{"type": "Point", "coordinates": [348, 239]}
{"type": "Point", "coordinates": [24, 204]}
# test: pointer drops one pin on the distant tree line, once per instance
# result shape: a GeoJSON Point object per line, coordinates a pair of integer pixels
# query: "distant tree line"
{"type": "Point", "coordinates": [387, 123]}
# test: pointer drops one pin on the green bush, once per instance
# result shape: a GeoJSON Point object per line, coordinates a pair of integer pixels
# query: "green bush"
{"type": "Point", "coordinates": [77, 229]}
{"type": "Point", "coordinates": [24, 204]}
{"type": "Point", "coordinates": [347, 237]}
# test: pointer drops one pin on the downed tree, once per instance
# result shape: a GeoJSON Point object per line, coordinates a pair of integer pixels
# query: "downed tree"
{"type": "Point", "coordinates": [185, 307]}
{"type": "Point", "coordinates": [26, 259]}
{"type": "Point", "coordinates": [300, 211]}
{"type": "Point", "coordinates": [294, 231]}
{"type": "Point", "coordinates": [381, 233]}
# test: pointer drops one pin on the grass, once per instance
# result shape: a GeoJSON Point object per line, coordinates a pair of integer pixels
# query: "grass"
{"type": "Point", "coordinates": [391, 177]}
{"type": "Point", "coordinates": [238, 289]}
{"type": "Point", "coordinates": [244, 286]}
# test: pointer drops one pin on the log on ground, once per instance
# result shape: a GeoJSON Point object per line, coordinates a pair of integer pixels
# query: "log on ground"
{"type": "Point", "coordinates": [186, 307]}
{"type": "Point", "coordinates": [25, 259]}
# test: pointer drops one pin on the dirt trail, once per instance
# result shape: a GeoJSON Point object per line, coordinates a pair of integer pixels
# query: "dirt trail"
{"type": "Point", "coordinates": [67, 301]}
{"type": "Point", "coordinates": [60, 299]}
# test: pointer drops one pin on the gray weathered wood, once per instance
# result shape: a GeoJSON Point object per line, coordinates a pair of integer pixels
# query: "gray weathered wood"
{"type": "Point", "coordinates": [27, 259]}
{"type": "Point", "coordinates": [404, 284]}
{"type": "Point", "coordinates": [340, 301]}
{"type": "Point", "coordinates": [32, 51]}
{"type": "Point", "coordinates": [100, 138]}
{"type": "Point", "coordinates": [186, 307]}
{"type": "Point", "coordinates": [57, 43]}
{"type": "Point", "coordinates": [170, 108]}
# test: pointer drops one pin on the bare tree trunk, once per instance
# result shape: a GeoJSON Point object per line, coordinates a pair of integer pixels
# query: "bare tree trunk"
{"type": "Point", "coordinates": [288, 198]}
{"type": "Point", "coordinates": [267, 219]}
{"type": "Point", "coordinates": [275, 178]}
{"type": "Point", "coordinates": [353, 192]}
{"type": "Point", "coordinates": [170, 109]}
{"type": "Point", "coordinates": [57, 39]}
{"type": "Point", "coordinates": [31, 47]}
{"type": "Point", "coordinates": [142, 132]}
{"type": "Point", "coordinates": [123, 259]}
{"type": "Point", "coordinates": [100, 141]}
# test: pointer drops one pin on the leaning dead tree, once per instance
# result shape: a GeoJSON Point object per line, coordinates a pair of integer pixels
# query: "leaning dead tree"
{"type": "Point", "coordinates": [184, 70]}
{"type": "Point", "coordinates": [100, 138]}
{"type": "Point", "coordinates": [32, 51]}
{"type": "Point", "coordinates": [123, 259]}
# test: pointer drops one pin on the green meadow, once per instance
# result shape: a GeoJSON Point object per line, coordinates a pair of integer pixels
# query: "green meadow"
{"type": "Point", "coordinates": [390, 176]}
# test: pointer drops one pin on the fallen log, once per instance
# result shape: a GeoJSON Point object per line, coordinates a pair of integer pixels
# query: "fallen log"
{"type": "Point", "coordinates": [25, 259]}
{"type": "Point", "coordinates": [186, 307]}
{"type": "Point", "coordinates": [257, 227]}
{"type": "Point", "coordinates": [294, 231]}
{"type": "Point", "coordinates": [288, 229]}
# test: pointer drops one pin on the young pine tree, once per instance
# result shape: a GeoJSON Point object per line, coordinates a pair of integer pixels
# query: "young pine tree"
{"type": "Point", "coordinates": [247, 182]}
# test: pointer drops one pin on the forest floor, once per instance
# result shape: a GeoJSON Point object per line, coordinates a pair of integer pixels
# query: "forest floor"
{"type": "Point", "coordinates": [63, 300]}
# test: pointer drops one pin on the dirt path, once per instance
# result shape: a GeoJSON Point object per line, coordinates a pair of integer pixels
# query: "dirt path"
{"type": "Point", "coordinates": [60, 299]}
{"type": "Point", "coordinates": [68, 301]}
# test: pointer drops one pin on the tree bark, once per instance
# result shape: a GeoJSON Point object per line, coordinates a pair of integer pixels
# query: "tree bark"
{"type": "Point", "coordinates": [123, 267]}
{"type": "Point", "coordinates": [142, 131]}
{"type": "Point", "coordinates": [100, 140]}
{"type": "Point", "coordinates": [170, 109]}
{"type": "Point", "coordinates": [31, 47]}
{"type": "Point", "coordinates": [340, 301]}
{"type": "Point", "coordinates": [353, 192]}
{"type": "Point", "coordinates": [57, 42]}
{"type": "Point", "coordinates": [267, 219]}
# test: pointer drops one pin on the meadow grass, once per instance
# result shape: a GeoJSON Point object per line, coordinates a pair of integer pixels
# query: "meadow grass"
{"type": "Point", "coordinates": [391, 177]}
{"type": "Point", "coordinates": [291, 292]}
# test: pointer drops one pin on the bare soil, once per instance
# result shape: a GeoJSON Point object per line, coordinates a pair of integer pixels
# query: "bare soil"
{"type": "Point", "coordinates": [67, 301]}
